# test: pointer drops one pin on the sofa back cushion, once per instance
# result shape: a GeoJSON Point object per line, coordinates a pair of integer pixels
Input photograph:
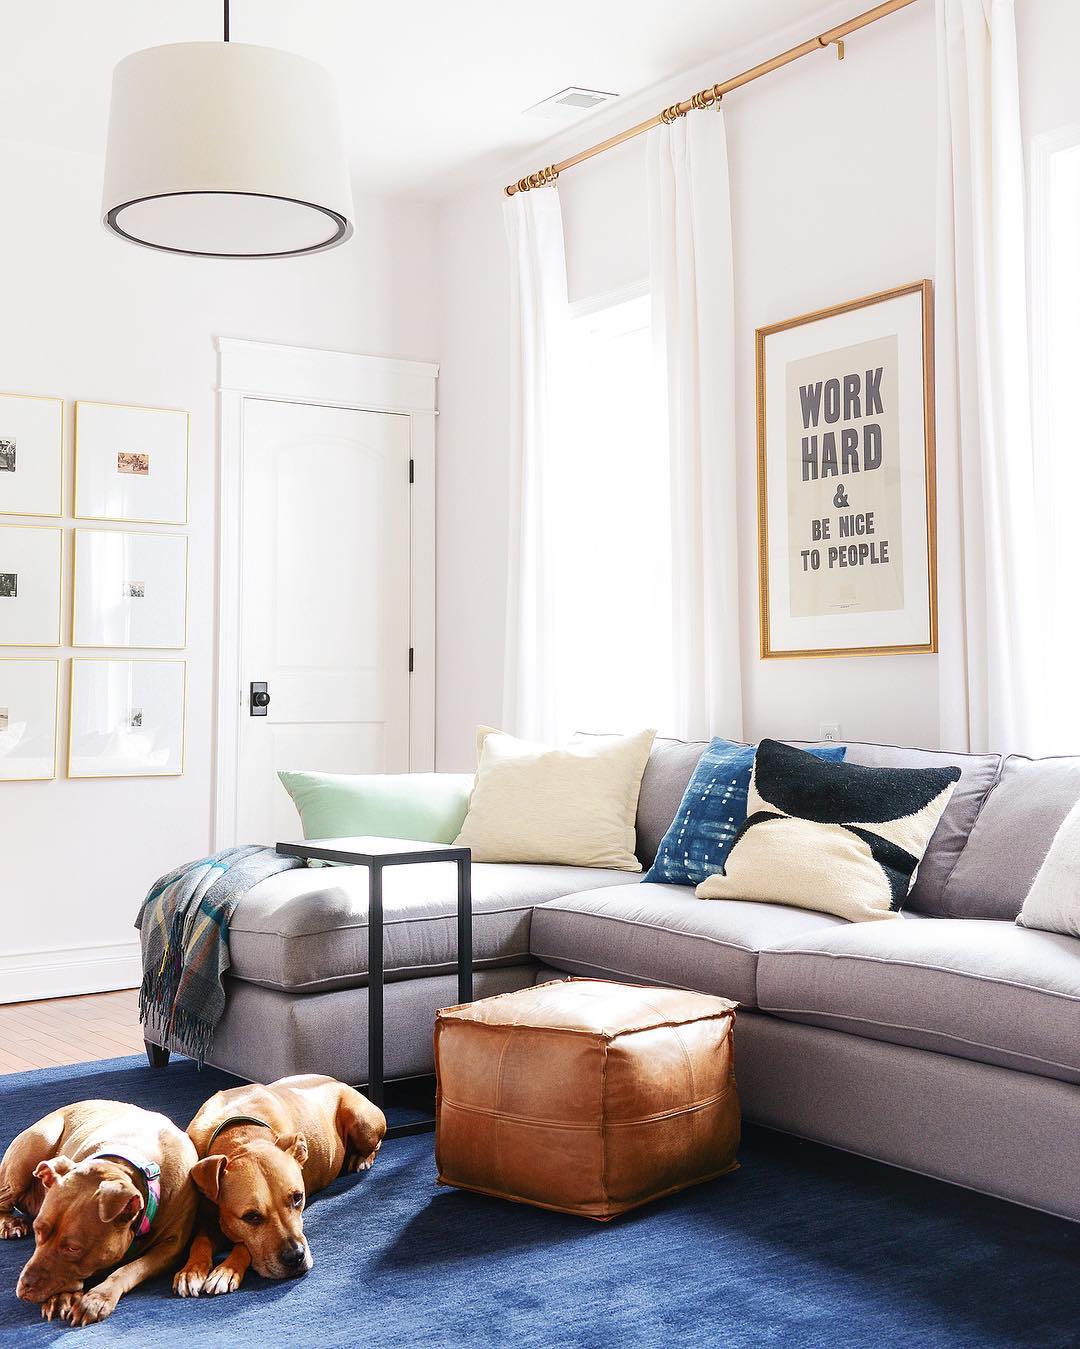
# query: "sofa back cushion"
{"type": "Point", "coordinates": [978, 773]}
{"type": "Point", "coordinates": [672, 762]}
{"type": "Point", "coordinates": [1011, 837]}
{"type": "Point", "coordinates": [667, 775]}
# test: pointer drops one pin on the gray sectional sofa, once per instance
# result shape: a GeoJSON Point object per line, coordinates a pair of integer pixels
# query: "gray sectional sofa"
{"type": "Point", "coordinates": [947, 1042]}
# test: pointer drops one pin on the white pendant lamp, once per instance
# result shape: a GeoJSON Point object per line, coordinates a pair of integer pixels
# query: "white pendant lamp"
{"type": "Point", "coordinates": [225, 150]}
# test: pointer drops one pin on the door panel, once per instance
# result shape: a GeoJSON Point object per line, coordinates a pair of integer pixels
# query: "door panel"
{"type": "Point", "coordinates": [325, 600]}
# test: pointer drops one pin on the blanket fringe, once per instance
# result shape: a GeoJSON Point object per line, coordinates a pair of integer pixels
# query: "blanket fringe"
{"type": "Point", "coordinates": [189, 1034]}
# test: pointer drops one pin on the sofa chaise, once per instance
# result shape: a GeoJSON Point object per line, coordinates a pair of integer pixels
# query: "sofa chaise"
{"type": "Point", "coordinates": [947, 1041]}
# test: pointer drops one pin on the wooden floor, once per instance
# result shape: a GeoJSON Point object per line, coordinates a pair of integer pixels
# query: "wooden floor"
{"type": "Point", "coordinates": [69, 1030]}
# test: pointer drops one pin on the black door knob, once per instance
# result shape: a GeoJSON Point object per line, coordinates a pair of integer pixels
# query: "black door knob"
{"type": "Point", "coordinates": [261, 699]}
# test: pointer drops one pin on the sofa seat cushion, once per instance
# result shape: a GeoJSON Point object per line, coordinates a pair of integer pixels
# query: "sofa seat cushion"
{"type": "Point", "coordinates": [974, 988]}
{"type": "Point", "coordinates": [661, 934]}
{"type": "Point", "coordinates": [306, 930]}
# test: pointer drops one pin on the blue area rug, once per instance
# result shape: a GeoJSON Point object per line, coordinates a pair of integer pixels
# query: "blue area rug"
{"type": "Point", "coordinates": [804, 1246]}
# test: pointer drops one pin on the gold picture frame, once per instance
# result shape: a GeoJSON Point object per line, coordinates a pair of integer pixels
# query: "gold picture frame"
{"type": "Point", "coordinates": [7, 661]}
{"type": "Point", "coordinates": [56, 593]}
{"type": "Point", "coordinates": [769, 648]}
{"type": "Point", "coordinates": [12, 508]}
{"type": "Point", "coordinates": [76, 588]}
{"type": "Point", "coordinates": [80, 661]}
{"type": "Point", "coordinates": [79, 509]}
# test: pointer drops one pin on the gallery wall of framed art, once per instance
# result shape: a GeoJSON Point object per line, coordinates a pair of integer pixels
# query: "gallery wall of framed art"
{"type": "Point", "coordinates": [846, 479]}
{"type": "Point", "coordinates": [127, 594]}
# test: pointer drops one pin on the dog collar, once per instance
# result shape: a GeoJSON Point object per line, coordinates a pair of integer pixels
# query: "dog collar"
{"type": "Point", "coordinates": [231, 1122]}
{"type": "Point", "coordinates": [151, 1174]}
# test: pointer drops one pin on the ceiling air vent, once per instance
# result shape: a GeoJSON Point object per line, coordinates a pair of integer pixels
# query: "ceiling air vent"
{"type": "Point", "coordinates": [568, 104]}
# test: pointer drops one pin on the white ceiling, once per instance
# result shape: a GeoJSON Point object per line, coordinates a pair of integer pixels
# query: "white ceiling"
{"type": "Point", "coordinates": [430, 88]}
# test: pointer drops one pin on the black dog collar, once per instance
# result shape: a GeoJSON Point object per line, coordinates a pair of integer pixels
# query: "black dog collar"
{"type": "Point", "coordinates": [234, 1120]}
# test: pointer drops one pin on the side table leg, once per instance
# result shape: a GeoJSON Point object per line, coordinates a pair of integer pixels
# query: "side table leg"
{"type": "Point", "coordinates": [464, 931]}
{"type": "Point", "coordinates": [375, 985]}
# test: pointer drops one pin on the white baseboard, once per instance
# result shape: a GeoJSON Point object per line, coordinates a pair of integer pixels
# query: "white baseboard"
{"type": "Point", "coordinates": [65, 970]}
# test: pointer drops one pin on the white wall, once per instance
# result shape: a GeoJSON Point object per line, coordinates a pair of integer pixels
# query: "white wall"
{"type": "Point", "coordinates": [83, 315]}
{"type": "Point", "coordinates": [833, 177]}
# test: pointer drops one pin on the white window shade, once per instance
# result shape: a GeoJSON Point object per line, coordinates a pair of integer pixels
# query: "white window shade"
{"type": "Point", "coordinates": [226, 150]}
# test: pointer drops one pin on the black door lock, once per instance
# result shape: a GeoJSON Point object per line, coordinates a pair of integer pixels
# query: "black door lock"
{"type": "Point", "coordinates": [260, 698]}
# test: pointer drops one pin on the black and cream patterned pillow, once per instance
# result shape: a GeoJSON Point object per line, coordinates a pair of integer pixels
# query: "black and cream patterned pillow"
{"type": "Point", "coordinates": [836, 837]}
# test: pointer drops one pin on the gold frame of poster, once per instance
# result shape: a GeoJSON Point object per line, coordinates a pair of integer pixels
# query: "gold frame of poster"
{"type": "Point", "coordinates": [846, 491]}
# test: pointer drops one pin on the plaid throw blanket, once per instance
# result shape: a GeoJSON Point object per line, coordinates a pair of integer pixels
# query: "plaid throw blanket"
{"type": "Point", "coordinates": [184, 926]}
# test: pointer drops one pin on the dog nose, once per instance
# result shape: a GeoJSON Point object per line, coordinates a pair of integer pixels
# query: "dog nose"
{"type": "Point", "coordinates": [292, 1254]}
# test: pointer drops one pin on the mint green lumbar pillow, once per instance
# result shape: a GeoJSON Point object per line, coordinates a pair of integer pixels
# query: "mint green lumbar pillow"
{"type": "Point", "coordinates": [429, 807]}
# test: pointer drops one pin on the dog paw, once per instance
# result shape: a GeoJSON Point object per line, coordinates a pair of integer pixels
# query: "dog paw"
{"type": "Point", "coordinates": [354, 1161]}
{"type": "Point", "coordinates": [223, 1279]}
{"type": "Point", "coordinates": [89, 1308]}
{"type": "Point", "coordinates": [58, 1307]}
{"type": "Point", "coordinates": [190, 1282]}
{"type": "Point", "coordinates": [12, 1226]}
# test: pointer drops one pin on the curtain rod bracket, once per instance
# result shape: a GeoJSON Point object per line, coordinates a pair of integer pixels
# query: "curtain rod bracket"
{"type": "Point", "coordinates": [837, 42]}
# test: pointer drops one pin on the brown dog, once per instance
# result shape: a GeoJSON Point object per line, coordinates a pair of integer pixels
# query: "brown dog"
{"type": "Point", "coordinates": [104, 1183]}
{"type": "Point", "coordinates": [263, 1151]}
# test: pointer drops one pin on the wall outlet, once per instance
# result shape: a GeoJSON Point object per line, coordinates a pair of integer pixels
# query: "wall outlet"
{"type": "Point", "coordinates": [829, 731]}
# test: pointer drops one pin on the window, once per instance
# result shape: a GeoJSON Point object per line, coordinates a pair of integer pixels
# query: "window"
{"type": "Point", "coordinates": [1055, 363]}
{"type": "Point", "coordinates": [610, 527]}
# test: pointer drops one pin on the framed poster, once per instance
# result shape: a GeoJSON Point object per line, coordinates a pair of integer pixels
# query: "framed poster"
{"type": "Point", "coordinates": [31, 563]}
{"type": "Point", "coordinates": [127, 718]}
{"type": "Point", "coordinates": [130, 589]}
{"type": "Point", "coordinates": [846, 505]}
{"type": "Point", "coordinates": [131, 463]}
{"type": "Point", "coordinates": [28, 703]}
{"type": "Point", "coordinates": [31, 455]}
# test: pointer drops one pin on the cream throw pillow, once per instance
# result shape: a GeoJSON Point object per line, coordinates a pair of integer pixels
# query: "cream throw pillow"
{"type": "Point", "coordinates": [575, 805]}
{"type": "Point", "coordinates": [837, 837]}
{"type": "Point", "coordinates": [1053, 902]}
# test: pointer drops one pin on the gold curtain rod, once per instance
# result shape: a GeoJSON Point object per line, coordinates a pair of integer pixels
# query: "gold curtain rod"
{"type": "Point", "coordinates": [708, 98]}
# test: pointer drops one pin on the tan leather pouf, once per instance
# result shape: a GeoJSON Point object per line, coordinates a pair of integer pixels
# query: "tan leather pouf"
{"type": "Point", "coordinates": [585, 1096]}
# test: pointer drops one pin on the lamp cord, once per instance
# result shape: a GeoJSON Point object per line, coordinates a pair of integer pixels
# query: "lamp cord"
{"type": "Point", "coordinates": [226, 20]}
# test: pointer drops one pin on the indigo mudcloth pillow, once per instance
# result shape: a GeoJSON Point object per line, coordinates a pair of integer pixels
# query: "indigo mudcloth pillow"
{"type": "Point", "coordinates": [711, 812]}
{"type": "Point", "coordinates": [840, 838]}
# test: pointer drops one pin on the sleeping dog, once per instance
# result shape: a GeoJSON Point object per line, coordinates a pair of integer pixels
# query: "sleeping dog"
{"type": "Point", "coordinates": [263, 1151]}
{"type": "Point", "coordinates": [105, 1185]}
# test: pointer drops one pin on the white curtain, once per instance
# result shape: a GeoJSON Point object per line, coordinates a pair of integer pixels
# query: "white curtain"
{"type": "Point", "coordinates": [538, 279]}
{"type": "Point", "coordinates": [692, 285]}
{"type": "Point", "coordinates": [989, 622]}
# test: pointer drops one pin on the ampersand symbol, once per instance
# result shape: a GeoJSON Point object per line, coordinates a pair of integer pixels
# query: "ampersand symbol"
{"type": "Point", "coordinates": [840, 499]}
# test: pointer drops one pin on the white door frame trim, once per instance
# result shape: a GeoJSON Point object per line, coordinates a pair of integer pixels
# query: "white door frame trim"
{"type": "Point", "coordinates": [337, 379]}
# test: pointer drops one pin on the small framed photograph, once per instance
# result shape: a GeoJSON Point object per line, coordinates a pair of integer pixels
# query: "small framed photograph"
{"type": "Point", "coordinates": [130, 589]}
{"type": "Point", "coordinates": [127, 718]}
{"type": "Point", "coordinates": [31, 455]}
{"type": "Point", "coordinates": [131, 463]}
{"type": "Point", "coordinates": [28, 702]}
{"type": "Point", "coordinates": [31, 566]}
{"type": "Point", "coordinates": [846, 499]}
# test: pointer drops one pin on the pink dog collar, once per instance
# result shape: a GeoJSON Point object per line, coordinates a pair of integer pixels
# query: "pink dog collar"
{"type": "Point", "coordinates": [151, 1174]}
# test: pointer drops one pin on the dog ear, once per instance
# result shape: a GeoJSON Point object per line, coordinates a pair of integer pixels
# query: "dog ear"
{"type": "Point", "coordinates": [295, 1144]}
{"type": "Point", "coordinates": [206, 1176]}
{"type": "Point", "coordinates": [118, 1200]}
{"type": "Point", "coordinates": [53, 1170]}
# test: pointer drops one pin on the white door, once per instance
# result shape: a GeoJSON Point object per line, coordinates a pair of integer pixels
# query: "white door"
{"type": "Point", "coordinates": [324, 607]}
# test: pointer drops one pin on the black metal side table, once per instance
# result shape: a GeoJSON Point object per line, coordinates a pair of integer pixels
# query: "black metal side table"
{"type": "Point", "coordinates": [376, 854]}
